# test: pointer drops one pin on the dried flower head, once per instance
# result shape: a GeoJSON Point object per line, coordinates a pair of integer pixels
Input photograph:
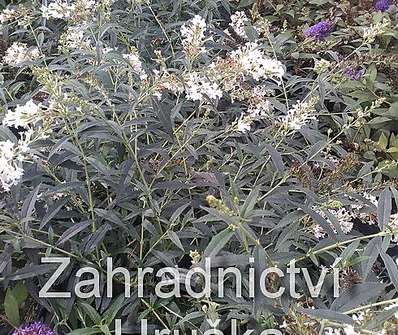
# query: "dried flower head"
{"type": "Point", "coordinates": [321, 66]}
{"type": "Point", "coordinates": [374, 30]}
{"type": "Point", "coordinates": [195, 256]}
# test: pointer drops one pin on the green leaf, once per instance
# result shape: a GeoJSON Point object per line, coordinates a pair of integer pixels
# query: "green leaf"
{"type": "Point", "coordinates": [72, 231]}
{"type": "Point", "coordinates": [250, 202]}
{"type": "Point", "coordinates": [85, 331]}
{"type": "Point", "coordinates": [91, 313]}
{"type": "Point", "coordinates": [175, 239]}
{"type": "Point", "coordinates": [276, 158]}
{"type": "Point", "coordinates": [383, 142]}
{"type": "Point", "coordinates": [384, 208]}
{"type": "Point", "coordinates": [245, 3]}
{"type": "Point", "coordinates": [52, 211]}
{"type": "Point", "coordinates": [29, 203]}
{"type": "Point", "coordinates": [112, 311]}
{"type": "Point", "coordinates": [371, 252]}
{"type": "Point", "coordinates": [11, 308]}
{"type": "Point", "coordinates": [391, 267]}
{"type": "Point", "coordinates": [218, 242]}
{"type": "Point", "coordinates": [20, 293]}
{"type": "Point", "coordinates": [105, 330]}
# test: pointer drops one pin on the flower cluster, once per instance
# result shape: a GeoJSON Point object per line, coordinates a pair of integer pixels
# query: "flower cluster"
{"type": "Point", "coordinates": [59, 9]}
{"type": "Point", "coordinates": [354, 73]}
{"type": "Point", "coordinates": [321, 66]}
{"type": "Point", "coordinates": [382, 5]}
{"type": "Point", "coordinates": [239, 21]}
{"type": "Point", "coordinates": [79, 11]}
{"type": "Point", "coordinates": [256, 64]}
{"type": "Point", "coordinates": [11, 158]}
{"type": "Point", "coordinates": [74, 39]}
{"type": "Point", "coordinates": [193, 36]}
{"type": "Point", "coordinates": [346, 215]}
{"type": "Point", "coordinates": [8, 15]}
{"type": "Point", "coordinates": [319, 31]}
{"type": "Point", "coordinates": [133, 59]}
{"type": "Point", "coordinates": [259, 107]}
{"type": "Point", "coordinates": [22, 116]}
{"type": "Point", "coordinates": [21, 15]}
{"type": "Point", "coordinates": [12, 155]}
{"type": "Point", "coordinates": [199, 87]}
{"type": "Point", "coordinates": [298, 115]}
{"type": "Point", "coordinates": [393, 224]}
{"type": "Point", "coordinates": [19, 53]}
{"type": "Point", "coordinates": [36, 328]}
{"type": "Point", "coordinates": [344, 218]}
{"type": "Point", "coordinates": [370, 33]}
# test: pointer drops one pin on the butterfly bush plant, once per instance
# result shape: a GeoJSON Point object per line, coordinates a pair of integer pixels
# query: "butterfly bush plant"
{"type": "Point", "coordinates": [161, 133]}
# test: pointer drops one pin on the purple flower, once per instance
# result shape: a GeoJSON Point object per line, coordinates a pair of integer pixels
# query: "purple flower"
{"type": "Point", "coordinates": [382, 5]}
{"type": "Point", "coordinates": [354, 73]}
{"type": "Point", "coordinates": [36, 328]}
{"type": "Point", "coordinates": [319, 31]}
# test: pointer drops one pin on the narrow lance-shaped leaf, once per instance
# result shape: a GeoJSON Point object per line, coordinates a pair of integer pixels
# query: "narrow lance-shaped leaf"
{"type": "Point", "coordinates": [384, 208]}
{"type": "Point", "coordinates": [218, 242]}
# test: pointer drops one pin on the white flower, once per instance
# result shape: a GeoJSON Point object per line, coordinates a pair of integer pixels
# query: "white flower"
{"type": "Point", "coordinates": [393, 224]}
{"type": "Point", "coordinates": [10, 171]}
{"type": "Point", "coordinates": [134, 59]}
{"type": "Point", "coordinates": [74, 39]}
{"type": "Point", "coordinates": [244, 124]}
{"type": "Point", "coordinates": [238, 22]}
{"type": "Point", "coordinates": [21, 15]}
{"type": "Point", "coordinates": [58, 10]}
{"type": "Point", "coordinates": [19, 53]}
{"type": "Point", "coordinates": [363, 215]}
{"type": "Point", "coordinates": [318, 231]}
{"type": "Point", "coordinates": [321, 65]}
{"type": "Point", "coordinates": [198, 87]}
{"type": "Point", "coordinates": [343, 216]}
{"type": "Point", "coordinates": [259, 105]}
{"type": "Point", "coordinates": [193, 36]}
{"type": "Point", "coordinates": [332, 331]}
{"type": "Point", "coordinates": [22, 115]}
{"type": "Point", "coordinates": [298, 115]}
{"type": "Point", "coordinates": [371, 32]}
{"type": "Point", "coordinates": [254, 63]}
{"type": "Point", "coordinates": [8, 15]}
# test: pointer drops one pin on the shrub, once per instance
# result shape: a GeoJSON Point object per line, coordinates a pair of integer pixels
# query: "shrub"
{"type": "Point", "coordinates": [163, 133]}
